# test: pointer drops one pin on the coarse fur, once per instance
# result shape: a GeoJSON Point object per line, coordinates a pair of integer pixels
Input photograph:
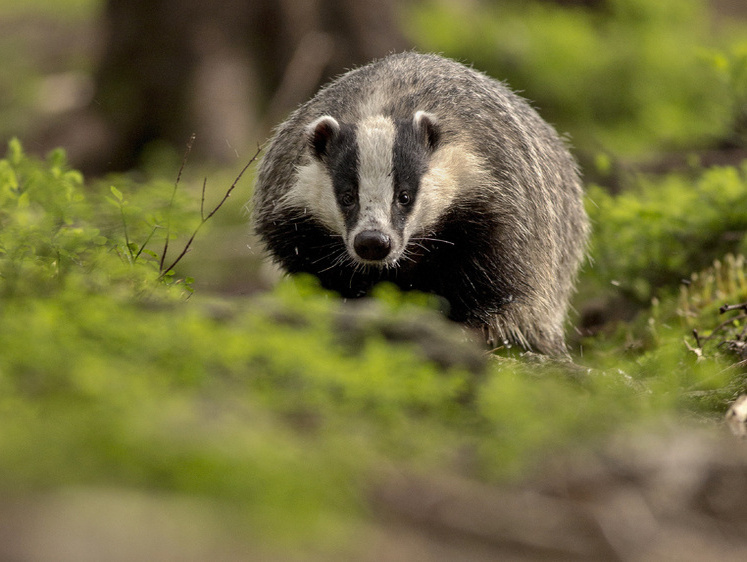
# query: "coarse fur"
{"type": "Point", "coordinates": [418, 170]}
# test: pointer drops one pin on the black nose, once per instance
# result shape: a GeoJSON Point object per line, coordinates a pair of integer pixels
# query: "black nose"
{"type": "Point", "coordinates": [372, 245]}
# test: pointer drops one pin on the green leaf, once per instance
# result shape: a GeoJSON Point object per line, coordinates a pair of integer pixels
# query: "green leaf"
{"type": "Point", "coordinates": [150, 253]}
{"type": "Point", "coordinates": [15, 151]}
{"type": "Point", "coordinates": [117, 193]}
{"type": "Point", "coordinates": [23, 200]}
{"type": "Point", "coordinates": [8, 178]}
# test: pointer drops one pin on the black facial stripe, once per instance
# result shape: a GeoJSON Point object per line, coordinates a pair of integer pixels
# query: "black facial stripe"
{"type": "Point", "coordinates": [342, 164]}
{"type": "Point", "coordinates": [410, 162]}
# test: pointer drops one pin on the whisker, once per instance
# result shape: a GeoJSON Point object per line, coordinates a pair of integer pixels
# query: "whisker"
{"type": "Point", "coordinates": [406, 257]}
{"type": "Point", "coordinates": [333, 265]}
{"type": "Point", "coordinates": [342, 259]}
{"type": "Point", "coordinates": [335, 250]}
{"type": "Point", "coordinates": [336, 253]}
{"type": "Point", "coordinates": [429, 239]}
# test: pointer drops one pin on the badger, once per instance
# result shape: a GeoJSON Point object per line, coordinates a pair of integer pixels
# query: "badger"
{"type": "Point", "coordinates": [418, 170]}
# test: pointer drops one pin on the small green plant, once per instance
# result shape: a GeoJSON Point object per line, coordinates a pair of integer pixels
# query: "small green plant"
{"type": "Point", "coordinates": [731, 70]}
{"type": "Point", "coordinates": [46, 229]}
{"type": "Point", "coordinates": [167, 270]}
{"type": "Point", "coordinates": [132, 251]}
{"type": "Point", "coordinates": [652, 236]}
{"type": "Point", "coordinates": [54, 230]}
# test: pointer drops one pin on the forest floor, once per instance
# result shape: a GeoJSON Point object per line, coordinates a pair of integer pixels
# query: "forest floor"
{"type": "Point", "coordinates": [676, 492]}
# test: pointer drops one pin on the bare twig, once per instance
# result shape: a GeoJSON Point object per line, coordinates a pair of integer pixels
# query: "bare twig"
{"type": "Point", "coordinates": [126, 234]}
{"type": "Point", "coordinates": [142, 247]}
{"type": "Point", "coordinates": [202, 200]}
{"type": "Point", "coordinates": [721, 327]}
{"type": "Point", "coordinates": [697, 338]}
{"type": "Point", "coordinates": [171, 203]}
{"type": "Point", "coordinates": [730, 307]}
{"type": "Point", "coordinates": [204, 218]}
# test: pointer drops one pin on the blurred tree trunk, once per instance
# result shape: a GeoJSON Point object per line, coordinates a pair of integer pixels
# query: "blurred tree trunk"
{"type": "Point", "coordinates": [227, 69]}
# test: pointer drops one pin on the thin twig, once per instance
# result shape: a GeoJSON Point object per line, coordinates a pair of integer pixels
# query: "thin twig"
{"type": "Point", "coordinates": [730, 307]}
{"type": "Point", "coordinates": [235, 182]}
{"type": "Point", "coordinates": [202, 200]}
{"type": "Point", "coordinates": [204, 218]}
{"type": "Point", "coordinates": [697, 338]}
{"type": "Point", "coordinates": [140, 251]}
{"type": "Point", "coordinates": [722, 326]}
{"type": "Point", "coordinates": [126, 233]}
{"type": "Point", "coordinates": [171, 203]}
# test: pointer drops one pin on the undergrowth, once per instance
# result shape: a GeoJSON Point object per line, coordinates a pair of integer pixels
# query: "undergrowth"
{"type": "Point", "coordinates": [110, 376]}
{"type": "Point", "coordinates": [658, 232]}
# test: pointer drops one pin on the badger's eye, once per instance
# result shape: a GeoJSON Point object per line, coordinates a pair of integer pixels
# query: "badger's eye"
{"type": "Point", "coordinates": [404, 198]}
{"type": "Point", "coordinates": [347, 200]}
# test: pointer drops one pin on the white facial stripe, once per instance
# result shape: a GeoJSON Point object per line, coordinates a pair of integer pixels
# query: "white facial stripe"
{"type": "Point", "coordinates": [375, 137]}
{"type": "Point", "coordinates": [313, 190]}
{"type": "Point", "coordinates": [453, 169]}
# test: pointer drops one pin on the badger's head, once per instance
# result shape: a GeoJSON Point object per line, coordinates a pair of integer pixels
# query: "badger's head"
{"type": "Point", "coordinates": [372, 183]}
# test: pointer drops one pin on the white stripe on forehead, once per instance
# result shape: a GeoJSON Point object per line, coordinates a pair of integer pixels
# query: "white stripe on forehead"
{"type": "Point", "coordinates": [375, 137]}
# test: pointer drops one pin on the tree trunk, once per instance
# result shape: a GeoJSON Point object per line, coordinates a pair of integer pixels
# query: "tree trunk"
{"type": "Point", "coordinates": [227, 70]}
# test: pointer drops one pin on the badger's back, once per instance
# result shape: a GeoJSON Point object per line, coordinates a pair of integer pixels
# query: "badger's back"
{"type": "Point", "coordinates": [493, 221]}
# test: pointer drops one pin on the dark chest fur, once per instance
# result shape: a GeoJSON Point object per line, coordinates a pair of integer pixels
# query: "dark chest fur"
{"type": "Point", "coordinates": [461, 260]}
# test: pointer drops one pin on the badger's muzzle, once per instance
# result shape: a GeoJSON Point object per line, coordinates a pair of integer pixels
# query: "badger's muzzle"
{"type": "Point", "coordinates": [372, 245]}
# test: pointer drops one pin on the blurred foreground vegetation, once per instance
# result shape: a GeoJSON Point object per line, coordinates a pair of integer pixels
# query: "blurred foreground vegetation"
{"type": "Point", "coordinates": [280, 410]}
{"type": "Point", "coordinates": [277, 414]}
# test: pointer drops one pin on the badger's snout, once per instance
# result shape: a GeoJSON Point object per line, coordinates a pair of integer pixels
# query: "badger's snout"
{"type": "Point", "coordinates": [372, 245]}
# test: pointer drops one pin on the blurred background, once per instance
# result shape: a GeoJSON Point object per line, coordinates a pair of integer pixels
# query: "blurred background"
{"type": "Point", "coordinates": [119, 82]}
{"type": "Point", "coordinates": [122, 84]}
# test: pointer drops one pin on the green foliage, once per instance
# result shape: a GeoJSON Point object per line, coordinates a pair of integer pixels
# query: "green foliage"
{"type": "Point", "coordinates": [44, 228]}
{"type": "Point", "coordinates": [673, 245]}
{"type": "Point", "coordinates": [655, 234]}
{"type": "Point", "coordinates": [682, 350]}
{"type": "Point", "coordinates": [54, 232]}
{"type": "Point", "coordinates": [100, 392]}
{"type": "Point", "coordinates": [278, 409]}
{"type": "Point", "coordinates": [712, 305]}
{"type": "Point", "coordinates": [731, 70]}
{"type": "Point", "coordinates": [626, 76]}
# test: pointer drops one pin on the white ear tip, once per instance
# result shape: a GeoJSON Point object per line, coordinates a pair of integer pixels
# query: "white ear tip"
{"type": "Point", "coordinates": [319, 134]}
{"type": "Point", "coordinates": [427, 124]}
{"type": "Point", "coordinates": [324, 120]}
{"type": "Point", "coordinates": [421, 115]}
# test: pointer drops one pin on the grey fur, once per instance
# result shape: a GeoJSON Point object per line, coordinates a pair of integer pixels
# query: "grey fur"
{"type": "Point", "coordinates": [528, 180]}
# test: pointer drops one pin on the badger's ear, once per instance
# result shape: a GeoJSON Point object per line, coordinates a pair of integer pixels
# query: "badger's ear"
{"type": "Point", "coordinates": [319, 134]}
{"type": "Point", "coordinates": [426, 125]}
